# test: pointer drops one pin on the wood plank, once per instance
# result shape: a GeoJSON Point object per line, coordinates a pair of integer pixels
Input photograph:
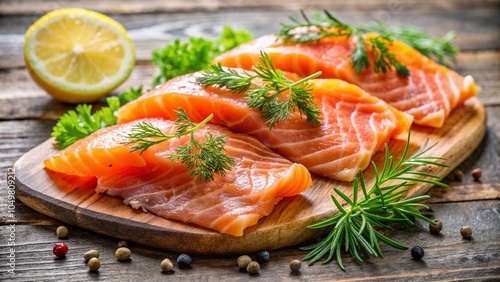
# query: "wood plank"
{"type": "Point", "coordinates": [447, 256]}
{"type": "Point", "coordinates": [72, 200]}
{"type": "Point", "coordinates": [476, 28]}
{"type": "Point", "coordinates": [464, 193]}
{"type": "Point", "coordinates": [17, 7]}
{"type": "Point", "coordinates": [22, 98]}
{"type": "Point", "coordinates": [19, 136]}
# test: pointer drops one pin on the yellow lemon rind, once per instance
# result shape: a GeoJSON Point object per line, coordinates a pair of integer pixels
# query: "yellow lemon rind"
{"type": "Point", "coordinates": [77, 93]}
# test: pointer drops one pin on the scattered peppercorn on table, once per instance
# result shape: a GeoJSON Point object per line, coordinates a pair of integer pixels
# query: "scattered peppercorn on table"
{"type": "Point", "coordinates": [466, 245]}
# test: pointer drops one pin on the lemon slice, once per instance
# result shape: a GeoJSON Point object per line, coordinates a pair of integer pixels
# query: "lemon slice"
{"type": "Point", "coordinates": [77, 55]}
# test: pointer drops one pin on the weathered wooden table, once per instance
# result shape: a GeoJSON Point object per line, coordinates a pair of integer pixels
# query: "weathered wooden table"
{"type": "Point", "coordinates": [27, 115]}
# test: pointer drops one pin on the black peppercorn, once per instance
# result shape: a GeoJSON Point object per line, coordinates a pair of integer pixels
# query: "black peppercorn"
{"type": "Point", "coordinates": [184, 260]}
{"type": "Point", "coordinates": [263, 256]}
{"type": "Point", "coordinates": [417, 252]}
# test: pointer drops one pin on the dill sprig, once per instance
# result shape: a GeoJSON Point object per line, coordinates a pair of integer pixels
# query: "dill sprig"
{"type": "Point", "coordinates": [355, 227]}
{"type": "Point", "coordinates": [322, 25]}
{"type": "Point", "coordinates": [202, 159]}
{"type": "Point", "coordinates": [436, 48]}
{"type": "Point", "coordinates": [267, 98]}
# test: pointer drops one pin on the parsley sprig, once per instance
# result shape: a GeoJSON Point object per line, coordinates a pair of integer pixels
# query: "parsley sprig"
{"type": "Point", "coordinates": [319, 26]}
{"type": "Point", "coordinates": [81, 122]}
{"type": "Point", "coordinates": [173, 60]}
{"type": "Point", "coordinates": [202, 159]}
{"type": "Point", "coordinates": [267, 98]}
{"type": "Point", "coordinates": [355, 227]}
{"type": "Point", "coordinates": [179, 58]}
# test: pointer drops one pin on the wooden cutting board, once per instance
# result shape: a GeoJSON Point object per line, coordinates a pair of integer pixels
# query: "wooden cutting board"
{"type": "Point", "coordinates": [72, 200]}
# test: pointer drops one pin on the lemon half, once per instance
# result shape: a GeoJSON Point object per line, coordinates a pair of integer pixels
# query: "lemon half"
{"type": "Point", "coordinates": [77, 55]}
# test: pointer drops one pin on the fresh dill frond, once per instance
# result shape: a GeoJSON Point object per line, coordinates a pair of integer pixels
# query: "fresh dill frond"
{"type": "Point", "coordinates": [202, 159]}
{"type": "Point", "coordinates": [267, 98]}
{"type": "Point", "coordinates": [321, 25]}
{"type": "Point", "coordinates": [437, 48]}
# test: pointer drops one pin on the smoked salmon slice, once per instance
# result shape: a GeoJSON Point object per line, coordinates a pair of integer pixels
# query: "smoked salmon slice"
{"type": "Point", "coordinates": [354, 124]}
{"type": "Point", "coordinates": [429, 94]}
{"type": "Point", "coordinates": [228, 204]}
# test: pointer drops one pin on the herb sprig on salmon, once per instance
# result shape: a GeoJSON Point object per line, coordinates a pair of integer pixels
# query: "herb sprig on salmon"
{"type": "Point", "coordinates": [269, 98]}
{"type": "Point", "coordinates": [323, 25]}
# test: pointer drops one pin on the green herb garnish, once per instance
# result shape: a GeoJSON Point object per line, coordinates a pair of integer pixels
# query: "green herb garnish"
{"type": "Point", "coordinates": [81, 122]}
{"type": "Point", "coordinates": [266, 99]}
{"type": "Point", "coordinates": [180, 58]}
{"type": "Point", "coordinates": [355, 226]}
{"type": "Point", "coordinates": [439, 49]}
{"type": "Point", "coordinates": [202, 159]}
{"type": "Point", "coordinates": [324, 25]}
{"type": "Point", "coordinates": [174, 60]}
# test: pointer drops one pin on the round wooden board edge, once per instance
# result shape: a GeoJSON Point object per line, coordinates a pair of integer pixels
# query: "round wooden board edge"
{"type": "Point", "coordinates": [199, 241]}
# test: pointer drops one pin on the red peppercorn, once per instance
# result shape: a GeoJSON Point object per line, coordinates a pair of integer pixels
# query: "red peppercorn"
{"type": "Point", "coordinates": [60, 250]}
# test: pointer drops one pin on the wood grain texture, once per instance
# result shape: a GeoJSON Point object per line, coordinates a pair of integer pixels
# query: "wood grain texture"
{"type": "Point", "coordinates": [72, 200]}
{"type": "Point", "coordinates": [478, 29]}
{"type": "Point", "coordinates": [17, 7]}
{"type": "Point", "coordinates": [21, 98]}
{"type": "Point", "coordinates": [27, 116]}
{"type": "Point", "coordinates": [447, 256]}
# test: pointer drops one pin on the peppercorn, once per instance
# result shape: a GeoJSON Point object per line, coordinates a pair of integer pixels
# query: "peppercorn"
{"type": "Point", "coordinates": [184, 260]}
{"type": "Point", "coordinates": [62, 232]}
{"type": "Point", "coordinates": [243, 261]}
{"type": "Point", "coordinates": [466, 232]}
{"type": "Point", "coordinates": [476, 174]}
{"type": "Point", "coordinates": [91, 254]}
{"type": "Point", "coordinates": [122, 253]}
{"type": "Point", "coordinates": [458, 175]}
{"type": "Point", "coordinates": [253, 267]}
{"type": "Point", "coordinates": [263, 256]}
{"type": "Point", "coordinates": [122, 243]}
{"type": "Point", "coordinates": [94, 264]}
{"type": "Point", "coordinates": [417, 252]}
{"type": "Point", "coordinates": [436, 227]}
{"type": "Point", "coordinates": [60, 250]}
{"type": "Point", "coordinates": [295, 265]}
{"type": "Point", "coordinates": [166, 265]}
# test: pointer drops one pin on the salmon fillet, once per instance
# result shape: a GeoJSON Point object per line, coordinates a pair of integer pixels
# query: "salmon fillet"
{"type": "Point", "coordinates": [354, 124]}
{"type": "Point", "coordinates": [228, 204]}
{"type": "Point", "coordinates": [429, 94]}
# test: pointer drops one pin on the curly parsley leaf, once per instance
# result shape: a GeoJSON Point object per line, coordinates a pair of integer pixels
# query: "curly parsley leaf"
{"type": "Point", "coordinates": [81, 122]}
{"type": "Point", "coordinates": [180, 58]}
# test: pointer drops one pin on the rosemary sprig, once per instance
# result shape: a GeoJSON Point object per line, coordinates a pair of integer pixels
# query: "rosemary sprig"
{"type": "Point", "coordinates": [355, 227]}
{"type": "Point", "coordinates": [324, 25]}
{"type": "Point", "coordinates": [266, 98]}
{"type": "Point", "coordinates": [202, 159]}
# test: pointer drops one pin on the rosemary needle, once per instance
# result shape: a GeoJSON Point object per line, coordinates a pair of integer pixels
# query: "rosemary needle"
{"type": "Point", "coordinates": [202, 159]}
{"type": "Point", "coordinates": [355, 227]}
